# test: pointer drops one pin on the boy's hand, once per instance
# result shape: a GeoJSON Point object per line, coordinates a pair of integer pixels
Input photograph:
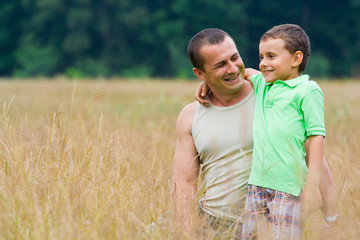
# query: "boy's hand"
{"type": "Point", "coordinates": [201, 92]}
{"type": "Point", "coordinates": [249, 72]}
{"type": "Point", "coordinates": [311, 200]}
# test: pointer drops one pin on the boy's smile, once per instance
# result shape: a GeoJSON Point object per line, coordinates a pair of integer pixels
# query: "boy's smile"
{"type": "Point", "coordinates": [276, 62]}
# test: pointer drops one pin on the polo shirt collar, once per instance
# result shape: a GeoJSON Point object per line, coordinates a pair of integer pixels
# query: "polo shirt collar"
{"type": "Point", "coordinates": [296, 81]}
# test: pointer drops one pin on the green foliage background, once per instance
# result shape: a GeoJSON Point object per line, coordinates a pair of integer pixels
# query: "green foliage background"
{"type": "Point", "coordinates": [142, 38]}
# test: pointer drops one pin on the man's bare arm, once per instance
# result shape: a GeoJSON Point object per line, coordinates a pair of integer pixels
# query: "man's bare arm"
{"type": "Point", "coordinates": [186, 168]}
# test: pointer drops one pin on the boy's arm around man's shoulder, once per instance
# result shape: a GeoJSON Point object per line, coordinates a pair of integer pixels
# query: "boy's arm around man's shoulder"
{"type": "Point", "coordinates": [254, 77]}
{"type": "Point", "coordinates": [249, 72]}
{"type": "Point", "coordinates": [203, 89]}
{"type": "Point", "coordinates": [185, 168]}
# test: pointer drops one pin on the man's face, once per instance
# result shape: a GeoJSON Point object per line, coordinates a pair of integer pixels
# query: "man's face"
{"type": "Point", "coordinates": [276, 62]}
{"type": "Point", "coordinates": [223, 67]}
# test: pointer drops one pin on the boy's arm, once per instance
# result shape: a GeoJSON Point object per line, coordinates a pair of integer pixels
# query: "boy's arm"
{"type": "Point", "coordinates": [328, 192]}
{"type": "Point", "coordinates": [185, 169]}
{"type": "Point", "coordinates": [249, 72]}
{"type": "Point", "coordinates": [311, 199]}
{"type": "Point", "coordinates": [327, 187]}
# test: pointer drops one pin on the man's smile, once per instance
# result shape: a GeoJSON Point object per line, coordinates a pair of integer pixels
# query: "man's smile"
{"type": "Point", "coordinates": [229, 79]}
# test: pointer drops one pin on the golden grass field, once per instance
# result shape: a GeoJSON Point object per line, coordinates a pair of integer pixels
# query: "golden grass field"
{"type": "Point", "coordinates": [93, 159]}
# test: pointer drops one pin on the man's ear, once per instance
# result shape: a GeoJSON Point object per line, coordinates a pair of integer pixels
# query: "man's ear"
{"type": "Point", "coordinates": [298, 58]}
{"type": "Point", "coordinates": [199, 73]}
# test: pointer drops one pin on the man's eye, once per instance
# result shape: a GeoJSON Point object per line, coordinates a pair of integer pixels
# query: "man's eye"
{"type": "Point", "coordinates": [219, 65]}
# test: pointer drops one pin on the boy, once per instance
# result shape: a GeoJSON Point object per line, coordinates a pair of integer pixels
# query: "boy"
{"type": "Point", "coordinates": [289, 109]}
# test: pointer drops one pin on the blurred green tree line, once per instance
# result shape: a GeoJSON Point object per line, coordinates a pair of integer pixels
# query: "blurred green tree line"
{"type": "Point", "coordinates": [143, 38]}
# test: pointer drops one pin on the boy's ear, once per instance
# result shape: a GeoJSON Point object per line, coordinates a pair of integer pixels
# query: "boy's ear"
{"type": "Point", "coordinates": [298, 57]}
{"type": "Point", "coordinates": [199, 74]}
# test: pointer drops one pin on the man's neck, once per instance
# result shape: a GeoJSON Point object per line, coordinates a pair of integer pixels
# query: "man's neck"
{"type": "Point", "coordinates": [223, 100]}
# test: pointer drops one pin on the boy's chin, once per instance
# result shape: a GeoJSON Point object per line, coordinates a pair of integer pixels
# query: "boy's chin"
{"type": "Point", "coordinates": [270, 80]}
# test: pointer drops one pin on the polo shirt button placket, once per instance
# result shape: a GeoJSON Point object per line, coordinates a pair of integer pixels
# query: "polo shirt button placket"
{"type": "Point", "coordinates": [269, 99]}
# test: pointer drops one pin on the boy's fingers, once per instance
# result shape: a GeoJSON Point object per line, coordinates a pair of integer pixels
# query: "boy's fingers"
{"type": "Point", "coordinates": [198, 96]}
{"type": "Point", "coordinates": [202, 101]}
{"type": "Point", "coordinates": [203, 91]}
{"type": "Point", "coordinates": [205, 103]}
{"type": "Point", "coordinates": [198, 93]}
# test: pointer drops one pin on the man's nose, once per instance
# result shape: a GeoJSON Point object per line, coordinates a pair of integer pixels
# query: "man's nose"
{"type": "Point", "coordinates": [232, 67]}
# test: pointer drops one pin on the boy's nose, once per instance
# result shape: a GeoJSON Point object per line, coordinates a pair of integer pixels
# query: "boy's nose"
{"type": "Point", "coordinates": [262, 63]}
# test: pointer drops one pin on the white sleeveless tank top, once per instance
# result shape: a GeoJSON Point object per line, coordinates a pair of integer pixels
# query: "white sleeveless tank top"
{"type": "Point", "coordinates": [224, 140]}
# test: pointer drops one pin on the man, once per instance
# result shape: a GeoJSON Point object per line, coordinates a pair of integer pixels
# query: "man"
{"type": "Point", "coordinates": [216, 141]}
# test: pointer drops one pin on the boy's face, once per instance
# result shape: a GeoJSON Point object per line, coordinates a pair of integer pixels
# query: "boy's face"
{"type": "Point", "coordinates": [223, 67]}
{"type": "Point", "coordinates": [276, 62]}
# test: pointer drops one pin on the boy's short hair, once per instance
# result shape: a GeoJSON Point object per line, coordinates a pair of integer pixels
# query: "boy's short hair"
{"type": "Point", "coordinates": [295, 39]}
{"type": "Point", "coordinates": [209, 36]}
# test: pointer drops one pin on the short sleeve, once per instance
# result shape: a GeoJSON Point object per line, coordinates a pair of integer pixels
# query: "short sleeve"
{"type": "Point", "coordinates": [256, 81]}
{"type": "Point", "coordinates": [313, 111]}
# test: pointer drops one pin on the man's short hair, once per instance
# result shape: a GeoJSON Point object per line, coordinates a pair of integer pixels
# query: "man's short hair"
{"type": "Point", "coordinates": [295, 39]}
{"type": "Point", "coordinates": [209, 36]}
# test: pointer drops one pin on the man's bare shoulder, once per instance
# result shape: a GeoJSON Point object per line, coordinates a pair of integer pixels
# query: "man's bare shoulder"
{"type": "Point", "coordinates": [189, 109]}
{"type": "Point", "coordinates": [186, 117]}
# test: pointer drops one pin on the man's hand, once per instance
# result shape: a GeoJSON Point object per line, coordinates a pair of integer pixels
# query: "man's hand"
{"type": "Point", "coordinates": [332, 230]}
{"type": "Point", "coordinates": [201, 92]}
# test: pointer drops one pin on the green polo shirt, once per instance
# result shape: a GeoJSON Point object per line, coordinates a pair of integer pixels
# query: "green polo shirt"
{"type": "Point", "coordinates": [286, 114]}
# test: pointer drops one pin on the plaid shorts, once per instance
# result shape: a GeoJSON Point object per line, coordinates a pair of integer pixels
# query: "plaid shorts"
{"type": "Point", "coordinates": [271, 211]}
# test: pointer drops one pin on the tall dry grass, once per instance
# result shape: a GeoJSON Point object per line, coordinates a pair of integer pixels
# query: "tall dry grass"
{"type": "Point", "coordinates": [93, 159]}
